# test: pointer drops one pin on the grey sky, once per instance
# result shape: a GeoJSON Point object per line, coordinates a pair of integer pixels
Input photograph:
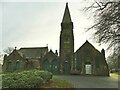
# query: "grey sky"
{"type": "Point", "coordinates": [35, 24]}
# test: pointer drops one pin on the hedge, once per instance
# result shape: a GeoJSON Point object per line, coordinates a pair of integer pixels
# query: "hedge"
{"type": "Point", "coordinates": [25, 79]}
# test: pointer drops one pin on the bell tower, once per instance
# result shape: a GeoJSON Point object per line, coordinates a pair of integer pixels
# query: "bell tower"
{"type": "Point", "coordinates": [66, 51]}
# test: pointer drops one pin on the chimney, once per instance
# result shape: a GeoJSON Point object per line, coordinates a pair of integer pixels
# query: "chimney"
{"type": "Point", "coordinates": [103, 52]}
{"type": "Point", "coordinates": [56, 52]}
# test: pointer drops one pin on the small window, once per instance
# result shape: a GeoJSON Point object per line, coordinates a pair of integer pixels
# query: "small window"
{"type": "Point", "coordinates": [97, 63]}
{"type": "Point", "coordinates": [9, 66]}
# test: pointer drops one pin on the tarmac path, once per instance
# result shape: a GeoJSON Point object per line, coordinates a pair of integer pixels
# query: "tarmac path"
{"type": "Point", "coordinates": [90, 81]}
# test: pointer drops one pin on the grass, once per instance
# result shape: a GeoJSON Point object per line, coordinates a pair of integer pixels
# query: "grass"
{"type": "Point", "coordinates": [58, 83]}
{"type": "Point", "coordinates": [62, 83]}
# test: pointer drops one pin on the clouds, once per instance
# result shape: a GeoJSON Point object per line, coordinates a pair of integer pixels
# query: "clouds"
{"type": "Point", "coordinates": [29, 23]}
{"type": "Point", "coordinates": [0, 27]}
{"type": "Point", "coordinates": [36, 24]}
{"type": "Point", "coordinates": [47, 0]}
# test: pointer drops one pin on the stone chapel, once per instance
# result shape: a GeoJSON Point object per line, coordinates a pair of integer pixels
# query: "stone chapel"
{"type": "Point", "coordinates": [87, 60]}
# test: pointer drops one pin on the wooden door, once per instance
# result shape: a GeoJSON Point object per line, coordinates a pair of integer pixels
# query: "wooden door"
{"type": "Point", "coordinates": [66, 69]}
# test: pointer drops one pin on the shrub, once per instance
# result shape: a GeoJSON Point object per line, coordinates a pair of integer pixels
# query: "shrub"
{"type": "Point", "coordinates": [25, 79]}
{"type": "Point", "coordinates": [46, 76]}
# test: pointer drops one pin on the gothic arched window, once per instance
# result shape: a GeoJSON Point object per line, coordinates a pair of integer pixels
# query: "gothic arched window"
{"type": "Point", "coordinates": [17, 65]}
{"type": "Point", "coordinates": [9, 66]}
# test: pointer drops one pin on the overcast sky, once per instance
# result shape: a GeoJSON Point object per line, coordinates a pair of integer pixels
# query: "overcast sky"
{"type": "Point", "coordinates": [37, 23]}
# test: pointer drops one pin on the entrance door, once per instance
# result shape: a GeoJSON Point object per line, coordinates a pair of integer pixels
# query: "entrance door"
{"type": "Point", "coordinates": [66, 68]}
{"type": "Point", "coordinates": [88, 69]}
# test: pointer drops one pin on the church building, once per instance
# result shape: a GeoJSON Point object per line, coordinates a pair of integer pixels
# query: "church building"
{"type": "Point", "coordinates": [87, 60]}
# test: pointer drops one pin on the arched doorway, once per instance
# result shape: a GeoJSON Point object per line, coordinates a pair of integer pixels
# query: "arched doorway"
{"type": "Point", "coordinates": [46, 65]}
{"type": "Point", "coordinates": [55, 67]}
{"type": "Point", "coordinates": [88, 68]}
{"type": "Point", "coordinates": [66, 69]}
{"type": "Point", "coordinates": [17, 65]}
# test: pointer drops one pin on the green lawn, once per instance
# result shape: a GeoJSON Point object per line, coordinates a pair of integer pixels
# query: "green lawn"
{"type": "Point", "coordinates": [58, 83]}
{"type": "Point", "coordinates": [62, 83]}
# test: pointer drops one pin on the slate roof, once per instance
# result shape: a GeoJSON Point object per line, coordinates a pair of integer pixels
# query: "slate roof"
{"type": "Point", "coordinates": [87, 45]}
{"type": "Point", "coordinates": [33, 52]}
{"type": "Point", "coordinates": [14, 53]}
{"type": "Point", "coordinates": [50, 56]}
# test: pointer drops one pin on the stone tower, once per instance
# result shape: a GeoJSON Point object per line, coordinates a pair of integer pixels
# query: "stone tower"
{"type": "Point", "coordinates": [66, 43]}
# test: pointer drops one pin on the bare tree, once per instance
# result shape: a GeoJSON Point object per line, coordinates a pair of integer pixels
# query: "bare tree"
{"type": "Point", "coordinates": [113, 61]}
{"type": "Point", "coordinates": [1, 58]}
{"type": "Point", "coordinates": [107, 22]}
{"type": "Point", "coordinates": [8, 50]}
{"type": "Point", "coordinates": [107, 27]}
{"type": "Point", "coordinates": [1, 54]}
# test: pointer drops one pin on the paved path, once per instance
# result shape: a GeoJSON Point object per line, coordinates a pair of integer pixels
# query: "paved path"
{"type": "Point", "coordinates": [90, 81]}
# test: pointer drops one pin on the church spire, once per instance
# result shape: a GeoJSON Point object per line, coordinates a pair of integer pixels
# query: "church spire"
{"type": "Point", "coordinates": [66, 43]}
{"type": "Point", "coordinates": [66, 17]}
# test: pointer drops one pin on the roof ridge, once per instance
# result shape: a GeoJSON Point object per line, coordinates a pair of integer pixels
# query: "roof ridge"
{"type": "Point", "coordinates": [32, 47]}
{"type": "Point", "coordinates": [84, 44]}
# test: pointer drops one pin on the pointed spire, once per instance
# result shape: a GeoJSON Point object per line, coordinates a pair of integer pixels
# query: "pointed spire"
{"type": "Point", "coordinates": [66, 17]}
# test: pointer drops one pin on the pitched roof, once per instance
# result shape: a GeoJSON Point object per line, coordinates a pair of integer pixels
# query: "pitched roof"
{"type": "Point", "coordinates": [66, 17]}
{"type": "Point", "coordinates": [33, 52]}
{"type": "Point", "coordinates": [15, 53]}
{"type": "Point", "coordinates": [50, 56]}
{"type": "Point", "coordinates": [87, 45]}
